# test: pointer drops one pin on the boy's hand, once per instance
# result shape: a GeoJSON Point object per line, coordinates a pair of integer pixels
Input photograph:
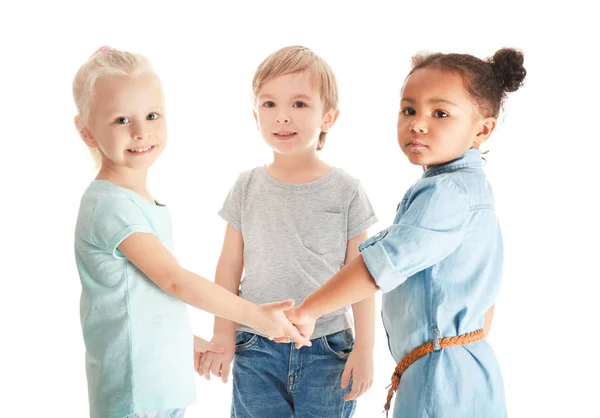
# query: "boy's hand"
{"type": "Point", "coordinates": [359, 366]}
{"type": "Point", "coordinates": [218, 363]}
{"type": "Point", "coordinates": [201, 346]}
{"type": "Point", "coordinates": [301, 320]}
{"type": "Point", "coordinates": [272, 321]}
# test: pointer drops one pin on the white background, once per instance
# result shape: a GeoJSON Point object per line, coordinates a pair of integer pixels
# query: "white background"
{"type": "Point", "coordinates": [541, 165]}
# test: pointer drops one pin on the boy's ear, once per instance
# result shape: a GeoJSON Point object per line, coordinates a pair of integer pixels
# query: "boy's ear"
{"type": "Point", "coordinates": [85, 133]}
{"type": "Point", "coordinates": [329, 119]}
{"type": "Point", "coordinates": [256, 119]}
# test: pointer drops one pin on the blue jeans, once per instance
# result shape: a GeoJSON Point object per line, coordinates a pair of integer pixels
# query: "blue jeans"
{"type": "Point", "coordinates": [272, 380]}
{"type": "Point", "coordinates": [165, 413]}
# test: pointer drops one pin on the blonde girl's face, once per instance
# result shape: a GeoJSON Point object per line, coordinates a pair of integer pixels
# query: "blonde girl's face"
{"type": "Point", "coordinates": [127, 122]}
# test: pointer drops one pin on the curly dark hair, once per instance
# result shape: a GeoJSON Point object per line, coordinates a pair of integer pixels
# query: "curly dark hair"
{"type": "Point", "coordinates": [488, 81]}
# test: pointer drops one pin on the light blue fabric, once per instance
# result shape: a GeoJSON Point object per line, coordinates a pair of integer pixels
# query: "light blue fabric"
{"type": "Point", "coordinates": [440, 266]}
{"type": "Point", "coordinates": [138, 340]}
{"type": "Point", "coordinates": [166, 413]}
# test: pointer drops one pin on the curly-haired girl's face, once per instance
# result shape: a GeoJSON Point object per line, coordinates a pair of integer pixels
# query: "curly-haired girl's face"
{"type": "Point", "coordinates": [438, 119]}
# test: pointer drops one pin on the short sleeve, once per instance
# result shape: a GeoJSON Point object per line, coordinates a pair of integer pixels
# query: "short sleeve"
{"type": "Point", "coordinates": [231, 211]}
{"type": "Point", "coordinates": [114, 218]}
{"type": "Point", "coordinates": [360, 213]}
{"type": "Point", "coordinates": [431, 228]}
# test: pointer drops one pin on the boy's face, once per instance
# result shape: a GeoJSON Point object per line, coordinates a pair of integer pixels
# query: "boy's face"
{"type": "Point", "coordinates": [438, 119]}
{"type": "Point", "coordinates": [127, 122]}
{"type": "Point", "coordinates": [290, 114]}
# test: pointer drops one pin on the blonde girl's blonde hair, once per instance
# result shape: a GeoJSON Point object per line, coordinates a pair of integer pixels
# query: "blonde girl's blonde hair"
{"type": "Point", "coordinates": [105, 61]}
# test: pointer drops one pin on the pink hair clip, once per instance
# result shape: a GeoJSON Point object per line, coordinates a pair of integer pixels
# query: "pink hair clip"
{"type": "Point", "coordinates": [104, 49]}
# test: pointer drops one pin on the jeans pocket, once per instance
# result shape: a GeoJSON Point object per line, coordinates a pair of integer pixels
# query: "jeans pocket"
{"type": "Point", "coordinates": [339, 344]}
{"type": "Point", "coordinates": [245, 340]}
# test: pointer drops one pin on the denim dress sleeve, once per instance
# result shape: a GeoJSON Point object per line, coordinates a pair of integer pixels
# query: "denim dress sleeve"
{"type": "Point", "coordinates": [429, 226]}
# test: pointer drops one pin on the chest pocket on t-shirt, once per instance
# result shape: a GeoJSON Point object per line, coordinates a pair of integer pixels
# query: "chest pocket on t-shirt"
{"type": "Point", "coordinates": [324, 232]}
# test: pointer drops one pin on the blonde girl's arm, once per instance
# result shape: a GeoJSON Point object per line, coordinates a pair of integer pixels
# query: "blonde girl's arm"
{"type": "Point", "coordinates": [148, 254]}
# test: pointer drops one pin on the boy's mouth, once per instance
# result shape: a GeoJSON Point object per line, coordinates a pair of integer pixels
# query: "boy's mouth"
{"type": "Point", "coordinates": [284, 135]}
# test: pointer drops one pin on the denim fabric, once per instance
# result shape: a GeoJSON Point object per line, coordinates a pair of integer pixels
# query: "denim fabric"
{"type": "Point", "coordinates": [440, 265]}
{"type": "Point", "coordinates": [273, 380]}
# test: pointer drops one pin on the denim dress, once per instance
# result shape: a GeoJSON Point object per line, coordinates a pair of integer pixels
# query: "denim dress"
{"type": "Point", "coordinates": [440, 266]}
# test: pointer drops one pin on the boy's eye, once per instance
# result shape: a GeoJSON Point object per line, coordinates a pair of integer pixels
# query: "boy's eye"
{"type": "Point", "coordinates": [122, 120]}
{"type": "Point", "coordinates": [152, 116]}
{"type": "Point", "coordinates": [409, 111]}
{"type": "Point", "coordinates": [440, 114]}
{"type": "Point", "coordinates": [300, 105]}
{"type": "Point", "coordinates": [268, 104]}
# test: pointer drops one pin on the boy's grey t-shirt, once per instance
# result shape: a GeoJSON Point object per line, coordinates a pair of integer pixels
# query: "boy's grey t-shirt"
{"type": "Point", "coordinates": [295, 236]}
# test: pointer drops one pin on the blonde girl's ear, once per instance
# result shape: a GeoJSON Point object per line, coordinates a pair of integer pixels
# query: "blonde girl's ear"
{"type": "Point", "coordinates": [85, 133]}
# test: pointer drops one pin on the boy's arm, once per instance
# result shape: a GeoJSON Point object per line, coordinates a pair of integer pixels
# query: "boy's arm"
{"type": "Point", "coordinates": [364, 311]}
{"type": "Point", "coordinates": [148, 254]}
{"type": "Point", "coordinates": [202, 347]}
{"type": "Point", "coordinates": [228, 276]}
{"type": "Point", "coordinates": [360, 362]}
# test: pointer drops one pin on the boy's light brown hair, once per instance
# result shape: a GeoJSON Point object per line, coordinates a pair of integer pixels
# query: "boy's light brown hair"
{"type": "Point", "coordinates": [293, 60]}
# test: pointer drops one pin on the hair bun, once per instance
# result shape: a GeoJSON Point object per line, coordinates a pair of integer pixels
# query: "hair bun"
{"type": "Point", "coordinates": [508, 67]}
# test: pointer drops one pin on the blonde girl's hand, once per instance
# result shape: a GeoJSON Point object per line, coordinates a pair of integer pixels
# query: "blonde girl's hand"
{"type": "Point", "coordinates": [202, 346]}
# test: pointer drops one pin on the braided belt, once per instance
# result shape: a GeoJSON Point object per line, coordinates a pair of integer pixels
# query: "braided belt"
{"type": "Point", "coordinates": [423, 350]}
